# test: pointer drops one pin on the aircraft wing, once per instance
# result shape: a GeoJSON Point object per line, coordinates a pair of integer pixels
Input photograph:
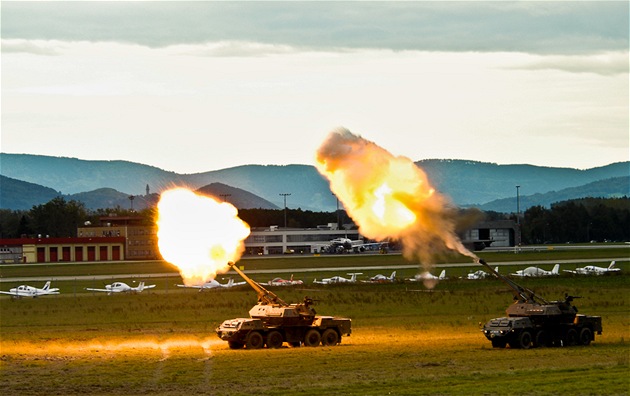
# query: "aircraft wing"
{"type": "Point", "coordinates": [570, 271]}
{"type": "Point", "coordinates": [101, 290]}
{"type": "Point", "coordinates": [149, 286]}
{"type": "Point", "coordinates": [16, 294]}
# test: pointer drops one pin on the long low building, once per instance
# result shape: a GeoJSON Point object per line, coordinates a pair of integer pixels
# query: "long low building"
{"type": "Point", "coordinates": [276, 240]}
{"type": "Point", "coordinates": [54, 250]}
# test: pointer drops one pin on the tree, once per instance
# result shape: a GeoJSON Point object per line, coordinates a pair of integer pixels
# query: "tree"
{"type": "Point", "coordinates": [58, 218]}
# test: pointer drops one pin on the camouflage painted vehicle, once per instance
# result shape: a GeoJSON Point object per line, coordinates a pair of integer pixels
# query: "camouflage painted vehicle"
{"type": "Point", "coordinates": [273, 322]}
{"type": "Point", "coordinates": [534, 322]}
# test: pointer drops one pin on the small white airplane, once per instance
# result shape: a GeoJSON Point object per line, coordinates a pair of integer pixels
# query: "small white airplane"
{"type": "Point", "coordinates": [30, 291]}
{"type": "Point", "coordinates": [339, 279]}
{"type": "Point", "coordinates": [429, 276]}
{"type": "Point", "coordinates": [121, 287]}
{"type": "Point", "coordinates": [535, 271]}
{"type": "Point", "coordinates": [480, 274]}
{"type": "Point", "coordinates": [214, 284]}
{"type": "Point", "coordinates": [595, 270]}
{"type": "Point", "coordinates": [284, 282]}
{"type": "Point", "coordinates": [380, 278]}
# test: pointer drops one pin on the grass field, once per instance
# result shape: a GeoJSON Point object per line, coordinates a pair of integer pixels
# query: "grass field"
{"type": "Point", "coordinates": [406, 341]}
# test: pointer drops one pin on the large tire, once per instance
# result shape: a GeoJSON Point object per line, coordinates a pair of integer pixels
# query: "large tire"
{"type": "Point", "coordinates": [330, 337]}
{"type": "Point", "coordinates": [312, 338]}
{"type": "Point", "coordinates": [541, 339]}
{"type": "Point", "coordinates": [586, 336]}
{"type": "Point", "coordinates": [235, 345]}
{"type": "Point", "coordinates": [571, 338]}
{"type": "Point", "coordinates": [274, 339]}
{"type": "Point", "coordinates": [255, 340]}
{"type": "Point", "coordinates": [498, 343]}
{"type": "Point", "coordinates": [524, 340]}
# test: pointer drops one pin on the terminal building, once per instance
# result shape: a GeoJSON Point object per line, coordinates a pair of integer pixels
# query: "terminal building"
{"type": "Point", "coordinates": [275, 240]}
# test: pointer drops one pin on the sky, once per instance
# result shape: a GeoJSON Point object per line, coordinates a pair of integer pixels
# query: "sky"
{"type": "Point", "coordinates": [198, 86]}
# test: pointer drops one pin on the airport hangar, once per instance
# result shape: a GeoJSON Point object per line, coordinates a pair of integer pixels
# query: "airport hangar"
{"type": "Point", "coordinates": [119, 238]}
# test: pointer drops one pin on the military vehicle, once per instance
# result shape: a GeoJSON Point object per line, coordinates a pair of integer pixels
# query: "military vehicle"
{"type": "Point", "coordinates": [273, 322]}
{"type": "Point", "coordinates": [533, 321]}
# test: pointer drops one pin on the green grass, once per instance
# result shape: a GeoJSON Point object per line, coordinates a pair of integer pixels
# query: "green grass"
{"type": "Point", "coordinates": [405, 341]}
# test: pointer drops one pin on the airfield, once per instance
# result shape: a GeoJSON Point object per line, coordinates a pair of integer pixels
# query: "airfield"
{"type": "Point", "coordinates": [406, 339]}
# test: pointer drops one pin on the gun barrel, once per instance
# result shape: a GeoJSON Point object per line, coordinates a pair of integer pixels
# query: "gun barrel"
{"type": "Point", "coordinates": [264, 295]}
{"type": "Point", "coordinates": [520, 293]}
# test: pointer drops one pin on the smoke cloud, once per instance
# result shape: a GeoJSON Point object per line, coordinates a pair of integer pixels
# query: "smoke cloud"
{"type": "Point", "coordinates": [389, 197]}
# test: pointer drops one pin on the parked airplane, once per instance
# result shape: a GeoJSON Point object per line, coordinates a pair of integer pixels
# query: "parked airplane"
{"type": "Point", "coordinates": [121, 287]}
{"type": "Point", "coordinates": [284, 282]}
{"type": "Point", "coordinates": [339, 279]}
{"type": "Point", "coordinates": [535, 271]}
{"type": "Point", "coordinates": [214, 284]}
{"type": "Point", "coordinates": [480, 274]}
{"type": "Point", "coordinates": [429, 276]}
{"type": "Point", "coordinates": [343, 245]}
{"type": "Point", "coordinates": [595, 270]}
{"type": "Point", "coordinates": [30, 291]}
{"type": "Point", "coordinates": [380, 278]}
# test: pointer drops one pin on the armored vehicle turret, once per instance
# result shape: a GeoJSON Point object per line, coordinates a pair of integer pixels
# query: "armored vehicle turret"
{"type": "Point", "coordinates": [273, 321]}
{"type": "Point", "coordinates": [534, 321]}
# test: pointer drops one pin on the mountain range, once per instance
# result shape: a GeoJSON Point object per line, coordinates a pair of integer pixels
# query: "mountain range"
{"type": "Point", "coordinates": [29, 180]}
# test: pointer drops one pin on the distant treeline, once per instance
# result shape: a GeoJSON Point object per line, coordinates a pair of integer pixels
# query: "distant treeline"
{"type": "Point", "coordinates": [581, 220]}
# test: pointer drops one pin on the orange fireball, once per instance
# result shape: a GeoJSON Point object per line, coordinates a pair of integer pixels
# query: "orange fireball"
{"type": "Point", "coordinates": [198, 234]}
{"type": "Point", "coordinates": [388, 196]}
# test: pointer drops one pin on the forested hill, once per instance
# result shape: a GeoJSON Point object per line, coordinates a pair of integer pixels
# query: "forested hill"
{"type": "Point", "coordinates": [476, 183]}
{"type": "Point", "coordinates": [466, 182]}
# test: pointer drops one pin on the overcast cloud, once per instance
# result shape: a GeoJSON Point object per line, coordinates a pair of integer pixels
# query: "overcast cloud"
{"type": "Point", "coordinates": [196, 86]}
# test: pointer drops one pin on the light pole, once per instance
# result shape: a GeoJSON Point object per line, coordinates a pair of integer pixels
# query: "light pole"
{"type": "Point", "coordinates": [285, 207]}
{"type": "Point", "coordinates": [338, 214]}
{"type": "Point", "coordinates": [131, 198]}
{"type": "Point", "coordinates": [518, 216]}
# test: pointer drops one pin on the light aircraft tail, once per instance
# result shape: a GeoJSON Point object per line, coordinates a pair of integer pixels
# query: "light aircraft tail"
{"type": "Point", "coordinates": [392, 276]}
{"type": "Point", "coordinates": [556, 270]}
{"type": "Point", "coordinates": [46, 286]}
{"type": "Point", "coordinates": [353, 276]}
{"type": "Point", "coordinates": [442, 275]}
{"type": "Point", "coordinates": [230, 282]}
{"type": "Point", "coordinates": [141, 286]}
{"type": "Point", "coordinates": [612, 264]}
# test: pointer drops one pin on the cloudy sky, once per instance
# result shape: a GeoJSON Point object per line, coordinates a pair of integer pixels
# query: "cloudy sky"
{"type": "Point", "coordinates": [197, 86]}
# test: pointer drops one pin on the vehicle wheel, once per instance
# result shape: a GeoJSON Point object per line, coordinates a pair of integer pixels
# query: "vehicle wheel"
{"type": "Point", "coordinates": [274, 339]}
{"type": "Point", "coordinates": [586, 335]}
{"type": "Point", "coordinates": [255, 340]}
{"type": "Point", "coordinates": [498, 343]}
{"type": "Point", "coordinates": [312, 338]}
{"type": "Point", "coordinates": [571, 337]}
{"type": "Point", "coordinates": [330, 337]}
{"type": "Point", "coordinates": [235, 344]}
{"type": "Point", "coordinates": [524, 339]}
{"type": "Point", "coordinates": [541, 340]}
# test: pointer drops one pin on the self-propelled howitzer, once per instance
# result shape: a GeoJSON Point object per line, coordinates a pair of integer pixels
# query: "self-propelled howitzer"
{"type": "Point", "coordinates": [273, 321]}
{"type": "Point", "coordinates": [534, 321]}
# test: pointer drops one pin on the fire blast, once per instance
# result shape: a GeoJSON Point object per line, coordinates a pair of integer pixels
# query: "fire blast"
{"type": "Point", "coordinates": [198, 234]}
{"type": "Point", "coordinates": [389, 196]}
